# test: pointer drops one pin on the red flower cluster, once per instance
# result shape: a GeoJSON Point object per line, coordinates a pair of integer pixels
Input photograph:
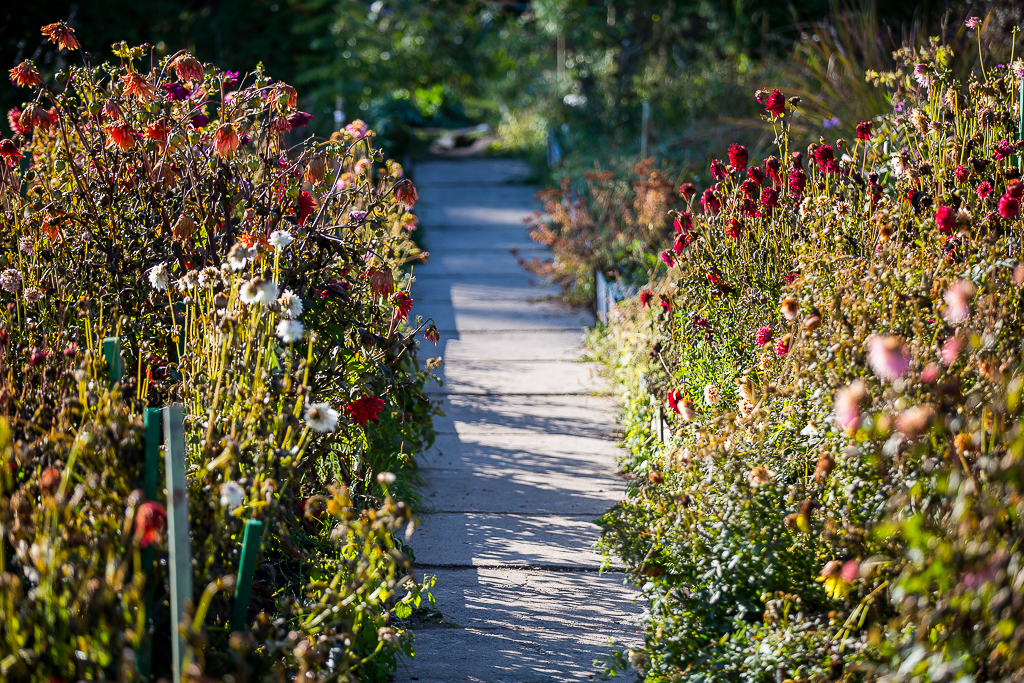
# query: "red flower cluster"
{"type": "Point", "coordinates": [864, 130]}
{"type": "Point", "coordinates": [306, 205]}
{"type": "Point", "coordinates": [738, 158]}
{"type": "Point", "coordinates": [365, 409]}
{"type": "Point", "coordinates": [150, 522]}
{"type": "Point", "coordinates": [776, 104]}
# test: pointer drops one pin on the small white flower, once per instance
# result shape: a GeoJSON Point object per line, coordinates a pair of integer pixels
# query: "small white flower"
{"type": "Point", "coordinates": [386, 478]}
{"type": "Point", "coordinates": [208, 276]}
{"type": "Point", "coordinates": [27, 244]}
{"type": "Point", "coordinates": [258, 291]}
{"type": "Point", "coordinates": [231, 495]}
{"type": "Point", "coordinates": [321, 417]}
{"type": "Point", "coordinates": [279, 239]}
{"type": "Point", "coordinates": [10, 280]}
{"type": "Point", "coordinates": [160, 277]}
{"type": "Point", "coordinates": [33, 294]}
{"type": "Point", "coordinates": [240, 255]}
{"type": "Point", "coordinates": [290, 331]}
{"type": "Point", "coordinates": [291, 304]}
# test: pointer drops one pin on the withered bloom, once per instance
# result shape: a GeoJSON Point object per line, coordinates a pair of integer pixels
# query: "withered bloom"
{"type": "Point", "coordinates": [120, 135]}
{"type": "Point", "coordinates": [111, 110]}
{"type": "Point", "coordinates": [316, 170]}
{"type": "Point", "coordinates": [183, 228]}
{"type": "Point", "coordinates": [61, 34]}
{"type": "Point", "coordinates": [138, 85]}
{"type": "Point", "coordinates": [226, 140]}
{"type": "Point", "coordinates": [33, 116]}
{"type": "Point", "coordinates": [406, 194]}
{"type": "Point", "coordinates": [25, 75]}
{"type": "Point", "coordinates": [187, 67]}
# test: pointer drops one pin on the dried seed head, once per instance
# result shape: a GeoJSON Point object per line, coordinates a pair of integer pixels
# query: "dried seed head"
{"type": "Point", "coordinates": [316, 170]}
{"type": "Point", "coordinates": [183, 228]}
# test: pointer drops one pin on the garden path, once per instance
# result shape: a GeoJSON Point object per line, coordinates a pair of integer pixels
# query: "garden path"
{"type": "Point", "coordinates": [525, 456]}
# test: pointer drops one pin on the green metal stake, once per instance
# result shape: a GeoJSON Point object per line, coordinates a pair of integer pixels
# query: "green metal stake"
{"type": "Point", "coordinates": [112, 354]}
{"type": "Point", "coordinates": [1020, 111]}
{"type": "Point", "coordinates": [243, 587]}
{"type": "Point", "coordinates": [150, 478]}
{"type": "Point", "coordinates": [177, 530]}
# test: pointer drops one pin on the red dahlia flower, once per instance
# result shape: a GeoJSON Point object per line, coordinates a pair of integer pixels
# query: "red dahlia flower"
{"type": "Point", "coordinates": [645, 298]}
{"type": "Point", "coordinates": [687, 190]}
{"type": "Point", "coordinates": [770, 198]}
{"type": "Point", "coordinates": [960, 175]}
{"type": "Point", "coordinates": [25, 75]}
{"type": "Point", "coordinates": [175, 91]}
{"type": "Point", "coordinates": [756, 174]}
{"type": "Point", "coordinates": [10, 152]}
{"type": "Point", "coordinates": [776, 105]}
{"type": "Point", "coordinates": [1015, 188]}
{"type": "Point", "coordinates": [683, 222]}
{"type": "Point", "coordinates": [403, 304]}
{"type": "Point", "coordinates": [150, 522]}
{"type": "Point", "coordinates": [199, 121]}
{"type": "Point", "coordinates": [711, 203]}
{"type": "Point", "coordinates": [864, 130]}
{"type": "Point", "coordinates": [773, 168]}
{"type": "Point", "coordinates": [365, 409]}
{"type": "Point", "coordinates": [984, 190]}
{"type": "Point", "coordinates": [734, 228]}
{"type": "Point", "coordinates": [299, 119]}
{"type": "Point", "coordinates": [797, 181]}
{"type": "Point", "coordinates": [738, 158]}
{"type": "Point", "coordinates": [1009, 207]}
{"type": "Point", "coordinates": [763, 336]}
{"type": "Point", "coordinates": [668, 258]}
{"type": "Point", "coordinates": [945, 218]}
{"type": "Point", "coordinates": [1003, 149]}
{"type": "Point", "coordinates": [306, 205]}
{"type": "Point", "coordinates": [718, 170]}
{"type": "Point", "coordinates": [749, 188]}
{"type": "Point", "coordinates": [782, 346]}
{"type": "Point", "coordinates": [825, 158]}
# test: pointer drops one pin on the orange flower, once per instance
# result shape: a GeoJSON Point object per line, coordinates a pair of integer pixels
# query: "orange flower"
{"type": "Point", "coordinates": [226, 140]}
{"type": "Point", "coordinates": [187, 67]}
{"type": "Point", "coordinates": [61, 34]}
{"type": "Point", "coordinates": [157, 131]}
{"type": "Point", "coordinates": [120, 135]}
{"type": "Point", "coordinates": [25, 75]}
{"type": "Point", "coordinates": [137, 84]}
{"type": "Point", "coordinates": [284, 89]}
{"type": "Point", "coordinates": [111, 111]}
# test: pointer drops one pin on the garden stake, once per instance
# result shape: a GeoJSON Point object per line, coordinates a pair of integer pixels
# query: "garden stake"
{"type": "Point", "coordinates": [243, 587]}
{"type": "Point", "coordinates": [1020, 116]}
{"type": "Point", "coordinates": [177, 529]}
{"type": "Point", "coordinates": [150, 474]}
{"type": "Point", "coordinates": [112, 354]}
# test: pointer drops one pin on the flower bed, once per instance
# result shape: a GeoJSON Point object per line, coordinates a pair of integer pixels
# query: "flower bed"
{"type": "Point", "coordinates": [837, 341]}
{"type": "Point", "coordinates": [256, 279]}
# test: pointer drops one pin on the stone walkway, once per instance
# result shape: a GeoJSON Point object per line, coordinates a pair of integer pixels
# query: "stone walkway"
{"type": "Point", "coordinates": [525, 457]}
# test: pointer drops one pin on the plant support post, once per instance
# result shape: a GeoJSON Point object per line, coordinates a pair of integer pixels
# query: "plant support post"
{"type": "Point", "coordinates": [177, 530]}
{"type": "Point", "coordinates": [243, 587]}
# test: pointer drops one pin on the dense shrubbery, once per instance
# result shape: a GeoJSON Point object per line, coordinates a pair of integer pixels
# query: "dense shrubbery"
{"type": "Point", "coordinates": [837, 347]}
{"type": "Point", "coordinates": [257, 283]}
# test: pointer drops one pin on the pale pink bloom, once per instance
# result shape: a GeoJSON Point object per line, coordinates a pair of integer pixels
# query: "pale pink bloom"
{"type": "Point", "coordinates": [958, 301]}
{"type": "Point", "coordinates": [759, 475]}
{"type": "Point", "coordinates": [849, 571]}
{"type": "Point", "coordinates": [848, 403]}
{"type": "Point", "coordinates": [889, 357]}
{"type": "Point", "coordinates": [930, 373]}
{"type": "Point", "coordinates": [951, 350]}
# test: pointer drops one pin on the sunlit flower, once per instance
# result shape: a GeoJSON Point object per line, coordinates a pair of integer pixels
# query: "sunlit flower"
{"type": "Point", "coordinates": [889, 357]}
{"type": "Point", "coordinates": [316, 170]}
{"type": "Point", "coordinates": [157, 130]}
{"type": "Point", "coordinates": [239, 256]}
{"type": "Point", "coordinates": [951, 350]}
{"type": "Point", "coordinates": [972, 22]}
{"type": "Point", "coordinates": [683, 222]}
{"type": "Point", "coordinates": [138, 85]}
{"type": "Point", "coordinates": [405, 194]}
{"type": "Point", "coordinates": [321, 417]}
{"type": "Point", "coordinates": [187, 67]}
{"type": "Point", "coordinates": [668, 257]}
{"type": "Point", "coordinates": [960, 175]}
{"type": "Point", "coordinates": [150, 522]}
{"type": "Point", "coordinates": [1009, 207]}
{"type": "Point", "coordinates": [120, 135]}
{"type": "Point", "coordinates": [289, 331]}
{"type": "Point", "coordinates": [279, 239]}
{"type": "Point", "coordinates": [365, 409]}
{"type": "Point", "coordinates": [733, 229]}
{"type": "Point", "coordinates": [232, 495]}
{"type": "Point", "coordinates": [291, 304]}
{"type": "Point", "coordinates": [33, 294]}
{"type": "Point", "coordinates": [776, 104]}
{"type": "Point", "coordinates": [797, 181]}
{"type": "Point", "coordinates": [258, 291]}
{"type": "Point", "coordinates": [984, 190]}
{"type": "Point", "coordinates": [33, 115]}
{"type": "Point", "coordinates": [357, 129]}
{"type": "Point", "coordinates": [687, 190]}
{"type": "Point", "coordinates": [176, 92]}
{"type": "Point", "coordinates": [61, 34]}
{"type": "Point", "coordinates": [183, 228]}
{"type": "Point", "coordinates": [710, 201]}
{"type": "Point", "coordinates": [712, 395]}
{"type": "Point", "coordinates": [958, 301]}
{"type": "Point", "coordinates": [945, 219]}
{"type": "Point", "coordinates": [864, 130]}
{"type": "Point", "coordinates": [306, 205]}
{"type": "Point", "coordinates": [403, 304]}
{"type": "Point", "coordinates": [848, 403]}
{"type": "Point", "coordinates": [763, 336]}
{"type": "Point", "coordinates": [681, 405]}
{"type": "Point", "coordinates": [824, 157]}
{"type": "Point", "coordinates": [789, 308]}
{"type": "Point", "coordinates": [645, 298]}
{"type": "Point", "coordinates": [782, 345]}
{"type": "Point", "coordinates": [770, 198]}
{"type": "Point", "coordinates": [346, 181]}
{"type": "Point", "coordinates": [738, 158]}
{"type": "Point", "coordinates": [10, 152]}
{"type": "Point", "coordinates": [718, 170]}
{"type": "Point", "coordinates": [226, 140]}
{"type": "Point", "coordinates": [159, 277]}
{"type": "Point", "coordinates": [25, 75]}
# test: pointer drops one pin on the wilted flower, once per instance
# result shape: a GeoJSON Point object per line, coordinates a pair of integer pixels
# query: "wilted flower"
{"type": "Point", "coordinates": [299, 119]}
{"type": "Point", "coordinates": [25, 75]}
{"type": "Point", "coordinates": [733, 229]}
{"type": "Point", "coordinates": [33, 116]}
{"type": "Point", "coordinates": [710, 201]}
{"type": "Point", "coordinates": [225, 140]}
{"type": "Point", "coordinates": [958, 301]}
{"type": "Point", "coordinates": [405, 194]}
{"type": "Point", "coordinates": [403, 304]}
{"type": "Point", "coordinates": [289, 331]}
{"type": "Point", "coordinates": [10, 280]}
{"type": "Point", "coordinates": [889, 357]}
{"type": "Point", "coordinates": [687, 190]}
{"type": "Point", "coordinates": [291, 304]}
{"type": "Point", "coordinates": [232, 495]}
{"type": "Point", "coordinates": [61, 34]}
{"type": "Point", "coordinates": [120, 135]}
{"type": "Point", "coordinates": [138, 85]}
{"type": "Point", "coordinates": [240, 255]}
{"type": "Point", "coordinates": [365, 409]}
{"type": "Point", "coordinates": [183, 228]}
{"type": "Point", "coordinates": [431, 334]}
{"type": "Point", "coordinates": [712, 395]}
{"type": "Point", "coordinates": [279, 239]}
{"type": "Point", "coordinates": [864, 130]}
{"type": "Point", "coordinates": [33, 294]}
{"type": "Point", "coordinates": [683, 222]}
{"type": "Point", "coordinates": [789, 308]}
{"type": "Point", "coordinates": [160, 277]}
{"type": "Point", "coordinates": [10, 152]}
{"type": "Point", "coordinates": [258, 291]}
{"type": "Point", "coordinates": [187, 67]}
{"type": "Point", "coordinates": [316, 170]}
{"type": "Point", "coordinates": [321, 417]}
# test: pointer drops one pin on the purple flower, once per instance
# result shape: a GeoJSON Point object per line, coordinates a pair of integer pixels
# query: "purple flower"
{"type": "Point", "coordinates": [357, 216]}
{"type": "Point", "coordinates": [176, 91]}
{"type": "Point", "coordinates": [889, 357]}
{"type": "Point", "coordinates": [299, 119]}
{"type": "Point", "coordinates": [230, 79]}
{"type": "Point", "coordinates": [830, 123]}
{"type": "Point", "coordinates": [972, 22]}
{"type": "Point", "coordinates": [200, 120]}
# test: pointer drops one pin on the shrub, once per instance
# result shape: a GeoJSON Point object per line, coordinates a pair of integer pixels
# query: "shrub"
{"type": "Point", "coordinates": [837, 349]}
{"type": "Point", "coordinates": [260, 283]}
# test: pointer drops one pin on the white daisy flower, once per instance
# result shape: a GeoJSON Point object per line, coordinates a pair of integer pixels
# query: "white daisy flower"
{"type": "Point", "coordinates": [240, 255]}
{"type": "Point", "coordinates": [231, 495]}
{"type": "Point", "coordinates": [160, 277]}
{"type": "Point", "coordinates": [208, 276]}
{"type": "Point", "coordinates": [258, 291]}
{"type": "Point", "coordinates": [291, 304]}
{"type": "Point", "coordinates": [321, 417]}
{"type": "Point", "coordinates": [290, 331]}
{"type": "Point", "coordinates": [279, 239]}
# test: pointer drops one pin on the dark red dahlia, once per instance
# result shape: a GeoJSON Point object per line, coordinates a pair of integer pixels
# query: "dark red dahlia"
{"type": "Point", "coordinates": [199, 120]}
{"type": "Point", "coordinates": [1015, 188]}
{"type": "Point", "coordinates": [718, 170]}
{"type": "Point", "coordinates": [748, 207]}
{"type": "Point", "coordinates": [711, 203]}
{"type": "Point", "coordinates": [1003, 149]}
{"type": "Point", "coordinates": [679, 245]}
{"type": "Point", "coordinates": [734, 228]}
{"type": "Point", "coordinates": [683, 223]}
{"type": "Point", "coordinates": [756, 174]}
{"type": "Point", "coordinates": [668, 257]}
{"type": "Point", "coordinates": [687, 190]}
{"type": "Point", "coordinates": [645, 298]}
{"type": "Point", "coordinates": [365, 409]}
{"type": "Point", "coordinates": [796, 160]}
{"type": "Point", "coordinates": [770, 198]}
{"type": "Point", "coordinates": [797, 181]}
{"type": "Point", "coordinates": [403, 304]}
{"type": "Point", "coordinates": [864, 130]}
{"type": "Point", "coordinates": [175, 91]}
{"type": "Point", "coordinates": [763, 336]}
{"type": "Point", "coordinates": [10, 152]}
{"type": "Point", "coordinates": [945, 218]}
{"type": "Point", "coordinates": [960, 175]}
{"type": "Point", "coordinates": [825, 158]}
{"type": "Point", "coordinates": [738, 158]}
{"type": "Point", "coordinates": [299, 119]}
{"type": "Point", "coordinates": [773, 168]}
{"type": "Point", "coordinates": [776, 104]}
{"type": "Point", "coordinates": [749, 188]}
{"type": "Point", "coordinates": [984, 190]}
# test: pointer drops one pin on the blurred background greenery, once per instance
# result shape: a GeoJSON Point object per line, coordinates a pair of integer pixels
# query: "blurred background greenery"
{"type": "Point", "coordinates": [575, 73]}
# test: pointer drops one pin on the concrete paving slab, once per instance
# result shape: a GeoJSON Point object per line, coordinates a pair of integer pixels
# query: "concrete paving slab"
{"type": "Point", "coordinates": [514, 345]}
{"type": "Point", "coordinates": [473, 263]}
{"type": "Point", "coordinates": [439, 291]}
{"type": "Point", "coordinates": [478, 172]}
{"type": "Point", "coordinates": [553, 378]}
{"type": "Point", "coordinates": [541, 417]}
{"type": "Point", "coordinates": [462, 240]}
{"type": "Point", "coordinates": [500, 598]}
{"type": "Point", "coordinates": [483, 316]}
{"type": "Point", "coordinates": [509, 656]}
{"type": "Point", "coordinates": [474, 539]}
{"type": "Point", "coordinates": [560, 454]}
